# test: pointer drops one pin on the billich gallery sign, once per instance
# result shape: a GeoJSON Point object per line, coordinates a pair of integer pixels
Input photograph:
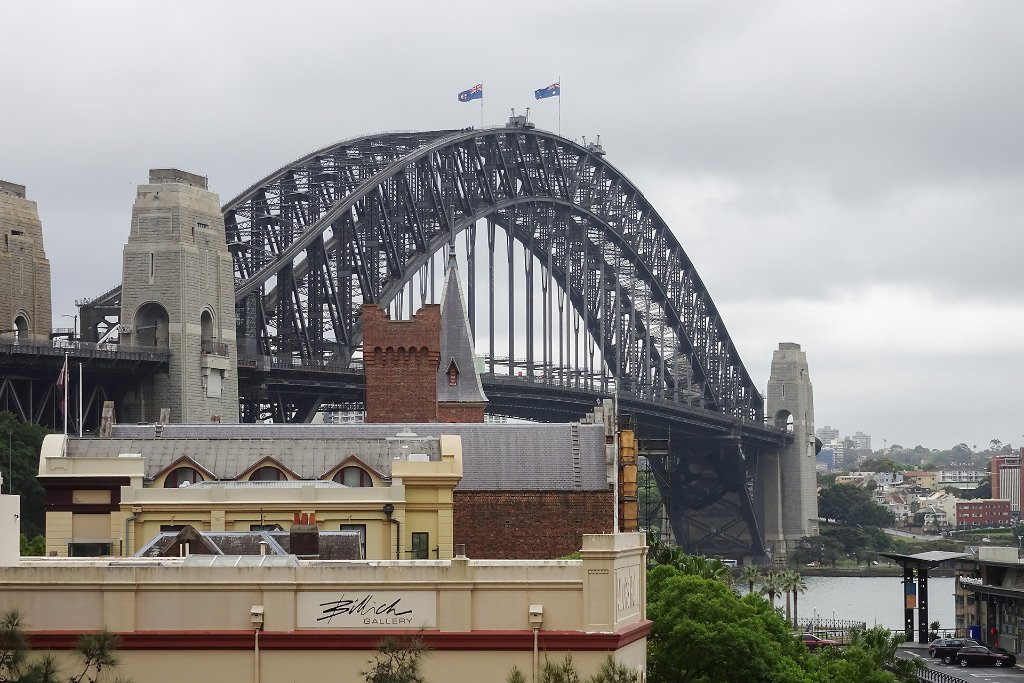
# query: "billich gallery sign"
{"type": "Point", "coordinates": [367, 609]}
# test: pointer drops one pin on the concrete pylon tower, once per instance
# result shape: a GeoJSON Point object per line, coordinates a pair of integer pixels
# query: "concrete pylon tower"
{"type": "Point", "coordinates": [786, 482]}
{"type": "Point", "coordinates": [178, 293]}
{"type": "Point", "coordinates": [25, 312]}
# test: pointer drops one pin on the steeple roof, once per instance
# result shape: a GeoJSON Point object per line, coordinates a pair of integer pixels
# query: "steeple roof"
{"type": "Point", "coordinates": [457, 344]}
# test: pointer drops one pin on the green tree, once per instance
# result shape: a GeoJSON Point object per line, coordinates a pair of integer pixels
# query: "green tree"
{"type": "Point", "coordinates": [750, 574]}
{"type": "Point", "coordinates": [559, 672]}
{"type": "Point", "coordinates": [699, 626]}
{"type": "Point", "coordinates": [706, 568]}
{"type": "Point", "coordinates": [851, 505]}
{"type": "Point", "coordinates": [515, 676]}
{"type": "Point", "coordinates": [771, 585]}
{"type": "Point", "coordinates": [396, 661]}
{"type": "Point", "coordinates": [793, 584]}
{"type": "Point", "coordinates": [98, 651]}
{"type": "Point", "coordinates": [34, 547]}
{"type": "Point", "coordinates": [613, 672]}
{"type": "Point", "coordinates": [25, 441]}
{"type": "Point", "coordinates": [881, 647]}
{"type": "Point", "coordinates": [14, 648]}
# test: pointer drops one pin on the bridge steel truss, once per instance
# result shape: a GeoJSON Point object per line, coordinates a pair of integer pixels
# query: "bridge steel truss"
{"type": "Point", "coordinates": [361, 222]}
{"type": "Point", "coordinates": [358, 221]}
{"type": "Point", "coordinates": [355, 222]}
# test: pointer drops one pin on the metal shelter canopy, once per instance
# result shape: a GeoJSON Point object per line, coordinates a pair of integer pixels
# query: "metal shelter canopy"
{"type": "Point", "coordinates": [919, 564]}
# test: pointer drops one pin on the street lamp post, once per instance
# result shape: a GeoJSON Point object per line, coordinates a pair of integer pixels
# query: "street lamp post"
{"type": "Point", "coordinates": [74, 328]}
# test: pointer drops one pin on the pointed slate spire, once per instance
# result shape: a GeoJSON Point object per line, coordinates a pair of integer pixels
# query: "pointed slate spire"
{"type": "Point", "coordinates": [457, 378]}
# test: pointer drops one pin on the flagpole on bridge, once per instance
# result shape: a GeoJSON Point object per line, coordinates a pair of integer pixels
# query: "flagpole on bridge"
{"type": "Point", "coordinates": [64, 375]}
{"type": "Point", "coordinates": [560, 107]}
{"type": "Point", "coordinates": [80, 422]}
{"type": "Point", "coordinates": [481, 104]}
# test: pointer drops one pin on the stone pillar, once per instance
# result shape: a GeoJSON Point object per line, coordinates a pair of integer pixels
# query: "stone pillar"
{"type": "Point", "coordinates": [10, 529]}
{"type": "Point", "coordinates": [178, 294]}
{"type": "Point", "coordinates": [794, 498]}
{"type": "Point", "coordinates": [25, 312]}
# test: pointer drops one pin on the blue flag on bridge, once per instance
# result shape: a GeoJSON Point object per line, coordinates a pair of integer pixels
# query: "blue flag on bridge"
{"type": "Point", "coordinates": [474, 93]}
{"type": "Point", "coordinates": [553, 90]}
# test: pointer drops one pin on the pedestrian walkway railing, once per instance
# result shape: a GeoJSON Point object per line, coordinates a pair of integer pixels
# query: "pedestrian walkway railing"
{"type": "Point", "coordinates": [833, 629]}
{"type": "Point", "coordinates": [933, 676]}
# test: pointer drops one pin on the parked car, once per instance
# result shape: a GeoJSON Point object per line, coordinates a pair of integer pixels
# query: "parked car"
{"type": "Point", "coordinates": [813, 642]}
{"type": "Point", "coordinates": [979, 654]}
{"type": "Point", "coordinates": [946, 648]}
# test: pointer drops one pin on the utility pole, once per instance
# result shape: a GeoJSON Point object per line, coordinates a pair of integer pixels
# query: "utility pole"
{"type": "Point", "coordinates": [10, 461]}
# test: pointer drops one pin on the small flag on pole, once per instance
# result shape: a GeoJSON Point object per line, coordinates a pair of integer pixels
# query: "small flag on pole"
{"type": "Point", "coordinates": [553, 90]}
{"type": "Point", "coordinates": [474, 93]}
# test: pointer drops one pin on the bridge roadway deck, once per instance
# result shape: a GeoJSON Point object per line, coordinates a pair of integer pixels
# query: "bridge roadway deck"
{"type": "Point", "coordinates": [19, 358]}
{"type": "Point", "coordinates": [521, 396]}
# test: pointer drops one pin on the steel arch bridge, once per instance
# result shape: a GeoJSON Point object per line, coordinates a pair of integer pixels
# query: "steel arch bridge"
{"type": "Point", "coordinates": [600, 299]}
{"type": "Point", "coordinates": [359, 222]}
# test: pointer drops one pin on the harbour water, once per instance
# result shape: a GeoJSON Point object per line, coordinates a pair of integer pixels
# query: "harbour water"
{"type": "Point", "coordinates": [871, 599]}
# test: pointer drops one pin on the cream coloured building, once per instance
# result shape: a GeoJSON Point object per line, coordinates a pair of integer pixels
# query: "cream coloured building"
{"type": "Point", "coordinates": [112, 496]}
{"type": "Point", "coordinates": [274, 618]}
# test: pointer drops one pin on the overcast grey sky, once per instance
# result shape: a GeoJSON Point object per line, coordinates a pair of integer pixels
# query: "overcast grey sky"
{"type": "Point", "coordinates": [844, 175]}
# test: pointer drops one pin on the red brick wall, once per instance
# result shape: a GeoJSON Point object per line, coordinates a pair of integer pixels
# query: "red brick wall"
{"type": "Point", "coordinates": [401, 359]}
{"type": "Point", "coordinates": [455, 412]}
{"type": "Point", "coordinates": [529, 525]}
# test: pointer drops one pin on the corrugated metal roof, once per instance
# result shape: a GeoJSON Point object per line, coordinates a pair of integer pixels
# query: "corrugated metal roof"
{"type": "Point", "coordinates": [509, 457]}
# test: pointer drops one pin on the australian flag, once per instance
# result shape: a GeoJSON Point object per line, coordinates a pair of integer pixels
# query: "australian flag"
{"type": "Point", "coordinates": [474, 93]}
{"type": "Point", "coordinates": [553, 90]}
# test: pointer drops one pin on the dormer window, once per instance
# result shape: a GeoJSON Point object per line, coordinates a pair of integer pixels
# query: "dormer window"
{"type": "Point", "coordinates": [453, 374]}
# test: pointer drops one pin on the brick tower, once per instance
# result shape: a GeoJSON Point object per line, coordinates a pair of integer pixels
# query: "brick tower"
{"type": "Point", "coordinates": [178, 293]}
{"type": "Point", "coordinates": [423, 370]}
{"type": "Point", "coordinates": [25, 312]}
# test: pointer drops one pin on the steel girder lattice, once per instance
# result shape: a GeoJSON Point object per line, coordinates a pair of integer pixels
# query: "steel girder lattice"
{"type": "Point", "coordinates": [355, 222]}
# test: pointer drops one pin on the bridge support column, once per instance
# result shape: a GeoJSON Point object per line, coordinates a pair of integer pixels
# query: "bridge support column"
{"type": "Point", "coordinates": [787, 486]}
{"type": "Point", "coordinates": [178, 294]}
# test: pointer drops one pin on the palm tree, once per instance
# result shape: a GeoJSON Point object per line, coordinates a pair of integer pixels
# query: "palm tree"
{"type": "Point", "coordinates": [881, 646]}
{"type": "Point", "coordinates": [770, 586]}
{"type": "Point", "coordinates": [793, 584]}
{"type": "Point", "coordinates": [750, 574]}
{"type": "Point", "coordinates": [706, 568]}
{"type": "Point", "coordinates": [786, 579]}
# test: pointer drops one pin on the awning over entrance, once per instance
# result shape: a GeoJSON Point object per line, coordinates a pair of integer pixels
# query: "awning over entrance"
{"type": "Point", "coordinates": [918, 564]}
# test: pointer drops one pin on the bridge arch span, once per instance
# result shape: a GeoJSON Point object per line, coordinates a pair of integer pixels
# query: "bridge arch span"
{"type": "Point", "coordinates": [359, 222]}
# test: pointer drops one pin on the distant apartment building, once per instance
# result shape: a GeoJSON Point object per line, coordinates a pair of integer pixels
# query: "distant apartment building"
{"type": "Point", "coordinates": [827, 434]}
{"type": "Point", "coordinates": [925, 480]}
{"type": "Point", "coordinates": [838, 448]}
{"type": "Point", "coordinates": [960, 478]}
{"type": "Point", "coordinates": [861, 441]}
{"type": "Point", "coordinates": [940, 501]}
{"type": "Point", "coordinates": [934, 517]}
{"type": "Point", "coordinates": [1006, 479]}
{"type": "Point", "coordinates": [896, 503]}
{"type": "Point", "coordinates": [882, 479]}
{"type": "Point", "coordinates": [982, 513]}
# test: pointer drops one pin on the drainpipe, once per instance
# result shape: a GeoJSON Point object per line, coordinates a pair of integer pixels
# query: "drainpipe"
{"type": "Point", "coordinates": [389, 510]}
{"type": "Point", "coordinates": [127, 522]}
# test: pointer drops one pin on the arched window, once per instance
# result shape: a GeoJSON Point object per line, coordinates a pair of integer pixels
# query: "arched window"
{"type": "Point", "coordinates": [268, 473]}
{"type": "Point", "coordinates": [20, 328]}
{"type": "Point", "coordinates": [206, 326]}
{"type": "Point", "coordinates": [784, 420]}
{"type": "Point", "coordinates": [356, 477]}
{"type": "Point", "coordinates": [182, 476]}
{"type": "Point", "coordinates": [152, 326]}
